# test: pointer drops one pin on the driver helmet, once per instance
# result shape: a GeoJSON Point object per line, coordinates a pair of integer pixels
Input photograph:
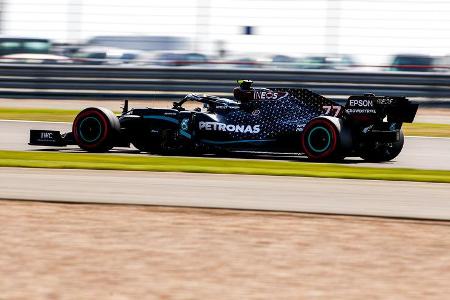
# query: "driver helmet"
{"type": "Point", "coordinates": [244, 92]}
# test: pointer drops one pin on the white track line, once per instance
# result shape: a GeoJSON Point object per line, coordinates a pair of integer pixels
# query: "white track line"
{"type": "Point", "coordinates": [427, 137]}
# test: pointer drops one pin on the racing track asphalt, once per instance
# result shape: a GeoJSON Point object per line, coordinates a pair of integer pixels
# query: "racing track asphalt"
{"type": "Point", "coordinates": [418, 152]}
{"type": "Point", "coordinates": [316, 195]}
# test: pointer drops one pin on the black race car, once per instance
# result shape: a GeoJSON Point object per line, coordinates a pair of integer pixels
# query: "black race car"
{"type": "Point", "coordinates": [257, 120]}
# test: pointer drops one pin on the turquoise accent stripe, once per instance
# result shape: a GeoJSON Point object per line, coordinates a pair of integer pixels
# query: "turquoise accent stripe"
{"type": "Point", "coordinates": [99, 132]}
{"type": "Point", "coordinates": [185, 134]}
{"type": "Point", "coordinates": [328, 139]}
{"type": "Point", "coordinates": [169, 119]}
{"type": "Point", "coordinates": [235, 142]}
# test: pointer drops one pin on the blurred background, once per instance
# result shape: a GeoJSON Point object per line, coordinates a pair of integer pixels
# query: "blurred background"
{"type": "Point", "coordinates": [381, 36]}
{"type": "Point", "coordinates": [298, 33]}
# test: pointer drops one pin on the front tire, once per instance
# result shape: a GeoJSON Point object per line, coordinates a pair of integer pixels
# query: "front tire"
{"type": "Point", "coordinates": [383, 152]}
{"type": "Point", "coordinates": [95, 129]}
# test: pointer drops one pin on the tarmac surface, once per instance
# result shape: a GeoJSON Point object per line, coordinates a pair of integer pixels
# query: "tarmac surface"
{"type": "Point", "coordinates": [418, 152]}
{"type": "Point", "coordinates": [312, 195]}
{"type": "Point", "coordinates": [294, 194]}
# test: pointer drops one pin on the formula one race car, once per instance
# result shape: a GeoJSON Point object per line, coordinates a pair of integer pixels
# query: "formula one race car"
{"type": "Point", "coordinates": [257, 120]}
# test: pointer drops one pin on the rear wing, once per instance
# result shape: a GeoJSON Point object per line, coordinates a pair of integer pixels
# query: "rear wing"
{"type": "Point", "coordinates": [377, 108]}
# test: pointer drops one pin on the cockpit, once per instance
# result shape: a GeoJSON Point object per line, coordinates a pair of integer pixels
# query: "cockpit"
{"type": "Point", "coordinates": [209, 103]}
{"type": "Point", "coordinates": [242, 94]}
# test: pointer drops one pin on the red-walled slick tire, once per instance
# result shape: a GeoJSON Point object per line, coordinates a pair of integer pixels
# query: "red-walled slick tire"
{"type": "Point", "coordinates": [321, 140]}
{"type": "Point", "coordinates": [95, 129]}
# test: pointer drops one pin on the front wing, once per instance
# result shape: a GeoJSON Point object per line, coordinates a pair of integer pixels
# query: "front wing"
{"type": "Point", "coordinates": [50, 138]}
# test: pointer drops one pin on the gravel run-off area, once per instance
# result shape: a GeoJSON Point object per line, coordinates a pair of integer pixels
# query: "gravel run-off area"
{"type": "Point", "coordinates": [88, 251]}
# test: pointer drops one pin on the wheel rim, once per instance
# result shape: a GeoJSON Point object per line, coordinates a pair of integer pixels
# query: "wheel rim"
{"type": "Point", "coordinates": [319, 139]}
{"type": "Point", "coordinates": [90, 129]}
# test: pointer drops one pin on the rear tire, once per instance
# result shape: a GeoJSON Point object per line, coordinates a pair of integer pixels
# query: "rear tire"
{"type": "Point", "coordinates": [95, 129]}
{"type": "Point", "coordinates": [321, 139]}
{"type": "Point", "coordinates": [383, 152]}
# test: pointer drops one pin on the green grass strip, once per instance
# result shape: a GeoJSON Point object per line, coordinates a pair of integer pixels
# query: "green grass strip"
{"type": "Point", "coordinates": [213, 165]}
{"type": "Point", "coordinates": [60, 115]}
{"type": "Point", "coordinates": [38, 114]}
{"type": "Point", "coordinates": [427, 129]}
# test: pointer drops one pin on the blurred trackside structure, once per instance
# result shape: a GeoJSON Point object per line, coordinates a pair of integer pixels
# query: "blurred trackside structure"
{"type": "Point", "coordinates": [371, 30]}
{"type": "Point", "coordinates": [117, 82]}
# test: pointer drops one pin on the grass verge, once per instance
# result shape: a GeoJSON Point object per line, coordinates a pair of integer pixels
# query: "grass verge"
{"type": "Point", "coordinates": [211, 165]}
{"type": "Point", "coordinates": [427, 129]}
{"type": "Point", "coordinates": [38, 114]}
{"type": "Point", "coordinates": [57, 115]}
